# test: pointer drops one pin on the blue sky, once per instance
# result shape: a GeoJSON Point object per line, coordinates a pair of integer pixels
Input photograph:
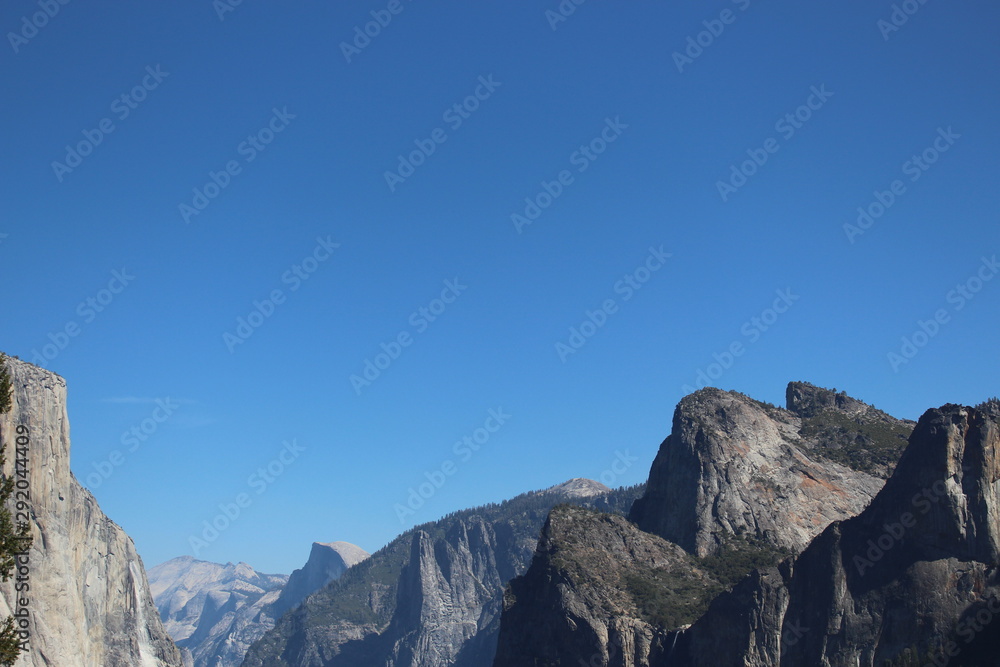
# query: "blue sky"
{"type": "Point", "coordinates": [588, 118]}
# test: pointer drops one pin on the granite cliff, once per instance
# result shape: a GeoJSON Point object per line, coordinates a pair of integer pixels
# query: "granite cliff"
{"type": "Point", "coordinates": [89, 601]}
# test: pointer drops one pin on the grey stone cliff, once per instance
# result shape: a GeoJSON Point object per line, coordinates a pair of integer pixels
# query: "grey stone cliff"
{"type": "Point", "coordinates": [735, 466]}
{"type": "Point", "coordinates": [89, 600]}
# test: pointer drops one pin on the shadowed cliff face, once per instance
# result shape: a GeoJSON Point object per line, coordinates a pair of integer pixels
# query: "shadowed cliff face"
{"type": "Point", "coordinates": [89, 600]}
{"type": "Point", "coordinates": [734, 466]}
{"type": "Point", "coordinates": [600, 592]}
{"type": "Point", "coordinates": [914, 577]}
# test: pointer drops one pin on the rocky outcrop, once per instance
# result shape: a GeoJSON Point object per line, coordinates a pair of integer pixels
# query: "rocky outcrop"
{"type": "Point", "coordinates": [842, 429]}
{"type": "Point", "coordinates": [600, 592]}
{"type": "Point", "coordinates": [89, 601]}
{"type": "Point", "coordinates": [911, 580]}
{"type": "Point", "coordinates": [735, 466]}
{"type": "Point", "coordinates": [431, 598]}
{"type": "Point", "coordinates": [327, 561]}
{"type": "Point", "coordinates": [214, 612]}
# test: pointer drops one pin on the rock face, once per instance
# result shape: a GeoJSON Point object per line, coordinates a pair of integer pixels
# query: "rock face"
{"type": "Point", "coordinates": [911, 580]}
{"type": "Point", "coordinates": [431, 598]}
{"type": "Point", "coordinates": [89, 601]}
{"type": "Point", "coordinates": [327, 561]}
{"type": "Point", "coordinates": [212, 611]}
{"type": "Point", "coordinates": [735, 466]}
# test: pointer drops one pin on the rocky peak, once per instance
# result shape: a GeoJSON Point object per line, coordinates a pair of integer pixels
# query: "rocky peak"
{"type": "Point", "coordinates": [327, 561]}
{"type": "Point", "coordinates": [579, 487]}
{"type": "Point", "coordinates": [734, 466]}
{"type": "Point", "coordinates": [807, 400]}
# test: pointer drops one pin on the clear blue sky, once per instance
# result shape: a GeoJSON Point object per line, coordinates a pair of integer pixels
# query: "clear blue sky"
{"type": "Point", "coordinates": [608, 69]}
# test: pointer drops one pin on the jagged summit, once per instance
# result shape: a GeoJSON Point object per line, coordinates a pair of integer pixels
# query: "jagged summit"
{"type": "Point", "coordinates": [807, 400]}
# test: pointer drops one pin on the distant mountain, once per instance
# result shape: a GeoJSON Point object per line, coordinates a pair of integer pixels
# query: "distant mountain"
{"type": "Point", "coordinates": [214, 612]}
{"type": "Point", "coordinates": [327, 561]}
{"type": "Point", "coordinates": [579, 488]}
{"type": "Point", "coordinates": [432, 597]}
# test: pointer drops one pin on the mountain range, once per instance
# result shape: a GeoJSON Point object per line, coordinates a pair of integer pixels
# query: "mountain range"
{"type": "Point", "coordinates": [824, 532]}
